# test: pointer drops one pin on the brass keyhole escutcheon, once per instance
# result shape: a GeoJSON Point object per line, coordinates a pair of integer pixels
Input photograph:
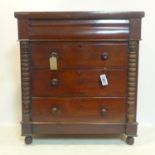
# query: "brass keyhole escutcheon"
{"type": "Point", "coordinates": [53, 61]}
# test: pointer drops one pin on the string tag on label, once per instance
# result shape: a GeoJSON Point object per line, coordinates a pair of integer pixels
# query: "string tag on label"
{"type": "Point", "coordinates": [104, 80]}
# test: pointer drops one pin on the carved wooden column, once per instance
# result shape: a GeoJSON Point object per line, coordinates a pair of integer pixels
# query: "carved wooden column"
{"type": "Point", "coordinates": [25, 76]}
{"type": "Point", "coordinates": [25, 81]}
{"type": "Point", "coordinates": [132, 81]}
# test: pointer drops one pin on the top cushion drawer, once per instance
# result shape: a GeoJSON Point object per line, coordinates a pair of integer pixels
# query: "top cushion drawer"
{"type": "Point", "coordinates": [79, 55]}
{"type": "Point", "coordinates": [69, 30]}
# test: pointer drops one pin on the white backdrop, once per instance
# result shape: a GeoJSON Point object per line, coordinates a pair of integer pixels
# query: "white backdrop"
{"type": "Point", "coordinates": [10, 109]}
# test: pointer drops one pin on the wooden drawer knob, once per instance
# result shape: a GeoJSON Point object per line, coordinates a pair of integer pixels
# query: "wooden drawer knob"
{"type": "Point", "coordinates": [53, 54]}
{"type": "Point", "coordinates": [104, 56]}
{"type": "Point", "coordinates": [54, 82]}
{"type": "Point", "coordinates": [103, 111]}
{"type": "Point", "coordinates": [55, 110]}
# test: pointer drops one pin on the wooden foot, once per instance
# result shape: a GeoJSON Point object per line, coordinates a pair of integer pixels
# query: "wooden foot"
{"type": "Point", "coordinates": [130, 140]}
{"type": "Point", "coordinates": [28, 139]}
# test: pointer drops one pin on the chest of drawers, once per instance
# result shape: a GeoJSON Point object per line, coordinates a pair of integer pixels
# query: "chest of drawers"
{"type": "Point", "coordinates": [79, 72]}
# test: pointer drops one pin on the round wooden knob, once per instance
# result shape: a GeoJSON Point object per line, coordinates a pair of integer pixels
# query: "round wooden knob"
{"type": "Point", "coordinates": [103, 111]}
{"type": "Point", "coordinates": [55, 110]}
{"type": "Point", "coordinates": [54, 82]}
{"type": "Point", "coordinates": [104, 56]}
{"type": "Point", "coordinates": [53, 54]}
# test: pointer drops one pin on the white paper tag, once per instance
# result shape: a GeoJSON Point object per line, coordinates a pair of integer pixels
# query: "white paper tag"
{"type": "Point", "coordinates": [104, 80]}
{"type": "Point", "coordinates": [53, 63]}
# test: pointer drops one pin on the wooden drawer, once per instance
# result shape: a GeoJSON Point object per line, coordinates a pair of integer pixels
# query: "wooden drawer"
{"type": "Point", "coordinates": [74, 30]}
{"type": "Point", "coordinates": [93, 110]}
{"type": "Point", "coordinates": [79, 55]}
{"type": "Point", "coordinates": [78, 83]}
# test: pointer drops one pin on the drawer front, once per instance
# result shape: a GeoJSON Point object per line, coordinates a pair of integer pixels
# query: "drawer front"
{"type": "Point", "coordinates": [97, 110]}
{"type": "Point", "coordinates": [74, 30]}
{"type": "Point", "coordinates": [78, 83]}
{"type": "Point", "coordinates": [79, 55]}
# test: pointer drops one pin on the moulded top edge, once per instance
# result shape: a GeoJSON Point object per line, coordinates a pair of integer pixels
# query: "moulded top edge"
{"type": "Point", "coordinates": [80, 15]}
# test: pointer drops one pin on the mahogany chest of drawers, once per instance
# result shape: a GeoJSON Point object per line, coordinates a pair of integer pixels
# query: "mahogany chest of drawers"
{"type": "Point", "coordinates": [79, 72]}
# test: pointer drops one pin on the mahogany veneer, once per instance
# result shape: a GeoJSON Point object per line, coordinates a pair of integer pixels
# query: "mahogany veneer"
{"type": "Point", "coordinates": [63, 55]}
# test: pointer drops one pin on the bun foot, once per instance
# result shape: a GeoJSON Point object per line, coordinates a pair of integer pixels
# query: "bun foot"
{"type": "Point", "coordinates": [130, 140]}
{"type": "Point", "coordinates": [28, 139]}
